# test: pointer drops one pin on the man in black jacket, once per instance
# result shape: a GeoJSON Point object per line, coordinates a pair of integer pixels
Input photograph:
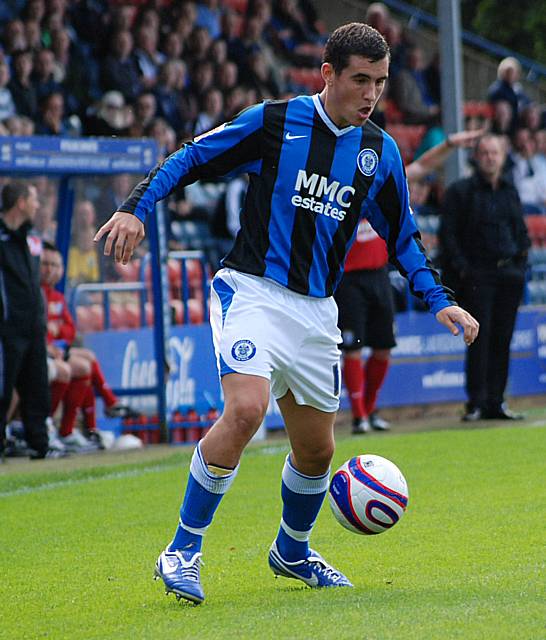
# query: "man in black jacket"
{"type": "Point", "coordinates": [23, 359]}
{"type": "Point", "coordinates": [484, 245]}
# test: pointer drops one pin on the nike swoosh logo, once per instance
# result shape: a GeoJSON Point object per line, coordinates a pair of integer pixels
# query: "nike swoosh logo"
{"type": "Point", "coordinates": [312, 581]}
{"type": "Point", "coordinates": [289, 136]}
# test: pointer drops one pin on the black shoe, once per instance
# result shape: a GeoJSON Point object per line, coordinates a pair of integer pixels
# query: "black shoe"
{"type": "Point", "coordinates": [377, 422]}
{"type": "Point", "coordinates": [48, 454]}
{"type": "Point", "coordinates": [472, 414]}
{"type": "Point", "coordinates": [502, 413]}
{"type": "Point", "coordinates": [121, 411]}
{"type": "Point", "coordinates": [94, 437]}
{"type": "Point", "coordinates": [360, 425]}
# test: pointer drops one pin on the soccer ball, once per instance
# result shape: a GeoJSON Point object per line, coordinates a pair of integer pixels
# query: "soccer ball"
{"type": "Point", "coordinates": [368, 494]}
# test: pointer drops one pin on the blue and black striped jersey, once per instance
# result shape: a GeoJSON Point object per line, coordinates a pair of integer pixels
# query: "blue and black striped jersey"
{"type": "Point", "coordinates": [310, 184]}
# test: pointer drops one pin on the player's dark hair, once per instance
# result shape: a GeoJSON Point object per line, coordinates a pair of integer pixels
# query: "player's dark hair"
{"type": "Point", "coordinates": [12, 192]}
{"type": "Point", "coordinates": [357, 39]}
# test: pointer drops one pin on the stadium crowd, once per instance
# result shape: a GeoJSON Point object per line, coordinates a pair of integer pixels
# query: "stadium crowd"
{"type": "Point", "coordinates": [174, 70]}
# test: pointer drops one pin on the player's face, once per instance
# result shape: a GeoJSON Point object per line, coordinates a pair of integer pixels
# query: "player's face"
{"type": "Point", "coordinates": [350, 96]}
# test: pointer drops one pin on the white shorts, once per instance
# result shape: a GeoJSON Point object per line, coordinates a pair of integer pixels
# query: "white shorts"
{"type": "Point", "coordinates": [261, 328]}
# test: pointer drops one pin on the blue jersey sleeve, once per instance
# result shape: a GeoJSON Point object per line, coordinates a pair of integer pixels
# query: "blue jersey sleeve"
{"type": "Point", "coordinates": [230, 149]}
{"type": "Point", "coordinates": [389, 213]}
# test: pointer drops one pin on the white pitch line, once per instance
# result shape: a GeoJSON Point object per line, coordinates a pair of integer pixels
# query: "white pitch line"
{"type": "Point", "coordinates": [48, 486]}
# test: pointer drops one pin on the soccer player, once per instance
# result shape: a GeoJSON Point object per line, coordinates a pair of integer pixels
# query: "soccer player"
{"type": "Point", "coordinates": [316, 166]}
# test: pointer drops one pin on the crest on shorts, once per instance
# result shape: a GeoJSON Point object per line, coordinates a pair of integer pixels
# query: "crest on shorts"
{"type": "Point", "coordinates": [243, 350]}
{"type": "Point", "coordinates": [367, 162]}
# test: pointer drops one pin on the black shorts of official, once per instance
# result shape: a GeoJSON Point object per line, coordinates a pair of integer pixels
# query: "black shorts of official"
{"type": "Point", "coordinates": [366, 310]}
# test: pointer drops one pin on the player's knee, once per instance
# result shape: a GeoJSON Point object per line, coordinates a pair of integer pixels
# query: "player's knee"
{"type": "Point", "coordinates": [247, 413]}
{"type": "Point", "coordinates": [316, 455]}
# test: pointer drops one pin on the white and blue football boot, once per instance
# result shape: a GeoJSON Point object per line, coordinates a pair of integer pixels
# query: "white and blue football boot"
{"type": "Point", "coordinates": [313, 570]}
{"type": "Point", "coordinates": [180, 571]}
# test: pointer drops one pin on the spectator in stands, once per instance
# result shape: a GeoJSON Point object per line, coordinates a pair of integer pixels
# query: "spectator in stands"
{"type": "Point", "coordinates": [295, 38]}
{"type": "Point", "coordinates": [218, 52]}
{"type": "Point", "coordinates": [144, 111]}
{"type": "Point", "coordinates": [198, 46]}
{"type": "Point", "coordinates": [208, 17]}
{"type": "Point", "coordinates": [148, 58]}
{"type": "Point", "coordinates": [52, 121]}
{"type": "Point", "coordinates": [378, 16]}
{"type": "Point", "coordinates": [87, 377]}
{"type": "Point", "coordinates": [529, 172]}
{"type": "Point", "coordinates": [532, 117]}
{"type": "Point", "coordinates": [83, 260]}
{"type": "Point", "coordinates": [42, 75]}
{"type": "Point", "coordinates": [109, 117]}
{"type": "Point", "coordinates": [20, 85]}
{"type": "Point", "coordinates": [227, 76]}
{"type": "Point", "coordinates": [7, 105]}
{"type": "Point", "coordinates": [484, 245]}
{"type": "Point", "coordinates": [226, 221]}
{"type": "Point", "coordinates": [22, 330]}
{"type": "Point", "coordinates": [173, 46]}
{"type": "Point", "coordinates": [501, 123]}
{"type": "Point", "coordinates": [202, 77]}
{"type": "Point", "coordinates": [261, 78]}
{"type": "Point", "coordinates": [211, 113]}
{"type": "Point", "coordinates": [168, 93]}
{"type": "Point", "coordinates": [33, 34]}
{"type": "Point", "coordinates": [164, 135]}
{"type": "Point", "coordinates": [507, 87]}
{"type": "Point", "coordinates": [119, 70]}
{"type": "Point", "coordinates": [229, 30]}
{"type": "Point", "coordinates": [14, 38]}
{"type": "Point", "coordinates": [411, 92]}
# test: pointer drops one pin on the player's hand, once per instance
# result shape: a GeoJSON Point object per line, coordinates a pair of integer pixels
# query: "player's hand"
{"type": "Point", "coordinates": [125, 232]}
{"type": "Point", "coordinates": [452, 316]}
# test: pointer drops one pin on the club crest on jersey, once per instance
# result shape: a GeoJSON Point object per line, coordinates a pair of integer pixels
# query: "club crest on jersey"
{"type": "Point", "coordinates": [243, 350]}
{"type": "Point", "coordinates": [367, 162]}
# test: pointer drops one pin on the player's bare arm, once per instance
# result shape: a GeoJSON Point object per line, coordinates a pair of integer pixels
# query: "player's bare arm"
{"type": "Point", "coordinates": [123, 230]}
{"type": "Point", "coordinates": [454, 317]}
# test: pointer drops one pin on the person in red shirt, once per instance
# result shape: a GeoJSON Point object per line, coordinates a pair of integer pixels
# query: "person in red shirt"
{"type": "Point", "coordinates": [366, 306]}
{"type": "Point", "coordinates": [87, 376]}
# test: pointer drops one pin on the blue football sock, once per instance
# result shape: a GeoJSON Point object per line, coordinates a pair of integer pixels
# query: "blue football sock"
{"type": "Point", "coordinates": [203, 494]}
{"type": "Point", "coordinates": [302, 498]}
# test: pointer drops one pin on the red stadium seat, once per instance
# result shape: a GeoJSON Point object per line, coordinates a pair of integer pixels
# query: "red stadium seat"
{"type": "Point", "coordinates": [408, 138]}
{"type": "Point", "coordinates": [177, 311]}
{"type": "Point", "coordinates": [84, 321]}
{"type": "Point", "coordinates": [131, 315]}
{"type": "Point", "coordinates": [149, 307]}
{"type": "Point", "coordinates": [128, 272]}
{"type": "Point", "coordinates": [97, 317]}
{"type": "Point", "coordinates": [117, 316]}
{"type": "Point", "coordinates": [195, 311]}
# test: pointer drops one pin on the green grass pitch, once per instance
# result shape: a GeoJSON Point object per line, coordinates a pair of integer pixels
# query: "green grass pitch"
{"type": "Point", "coordinates": [77, 548]}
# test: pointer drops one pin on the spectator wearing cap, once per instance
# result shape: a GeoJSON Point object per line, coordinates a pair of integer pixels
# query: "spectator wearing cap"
{"type": "Point", "coordinates": [109, 117]}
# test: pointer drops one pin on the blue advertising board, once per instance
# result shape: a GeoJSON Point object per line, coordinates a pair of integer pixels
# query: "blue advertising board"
{"type": "Point", "coordinates": [74, 156]}
{"type": "Point", "coordinates": [427, 364]}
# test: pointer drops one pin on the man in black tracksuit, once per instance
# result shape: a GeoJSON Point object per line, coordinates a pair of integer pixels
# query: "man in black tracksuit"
{"type": "Point", "coordinates": [484, 246]}
{"type": "Point", "coordinates": [23, 358]}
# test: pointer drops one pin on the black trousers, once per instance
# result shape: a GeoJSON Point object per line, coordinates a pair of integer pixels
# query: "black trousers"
{"type": "Point", "coordinates": [23, 366]}
{"type": "Point", "coordinates": [492, 296]}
